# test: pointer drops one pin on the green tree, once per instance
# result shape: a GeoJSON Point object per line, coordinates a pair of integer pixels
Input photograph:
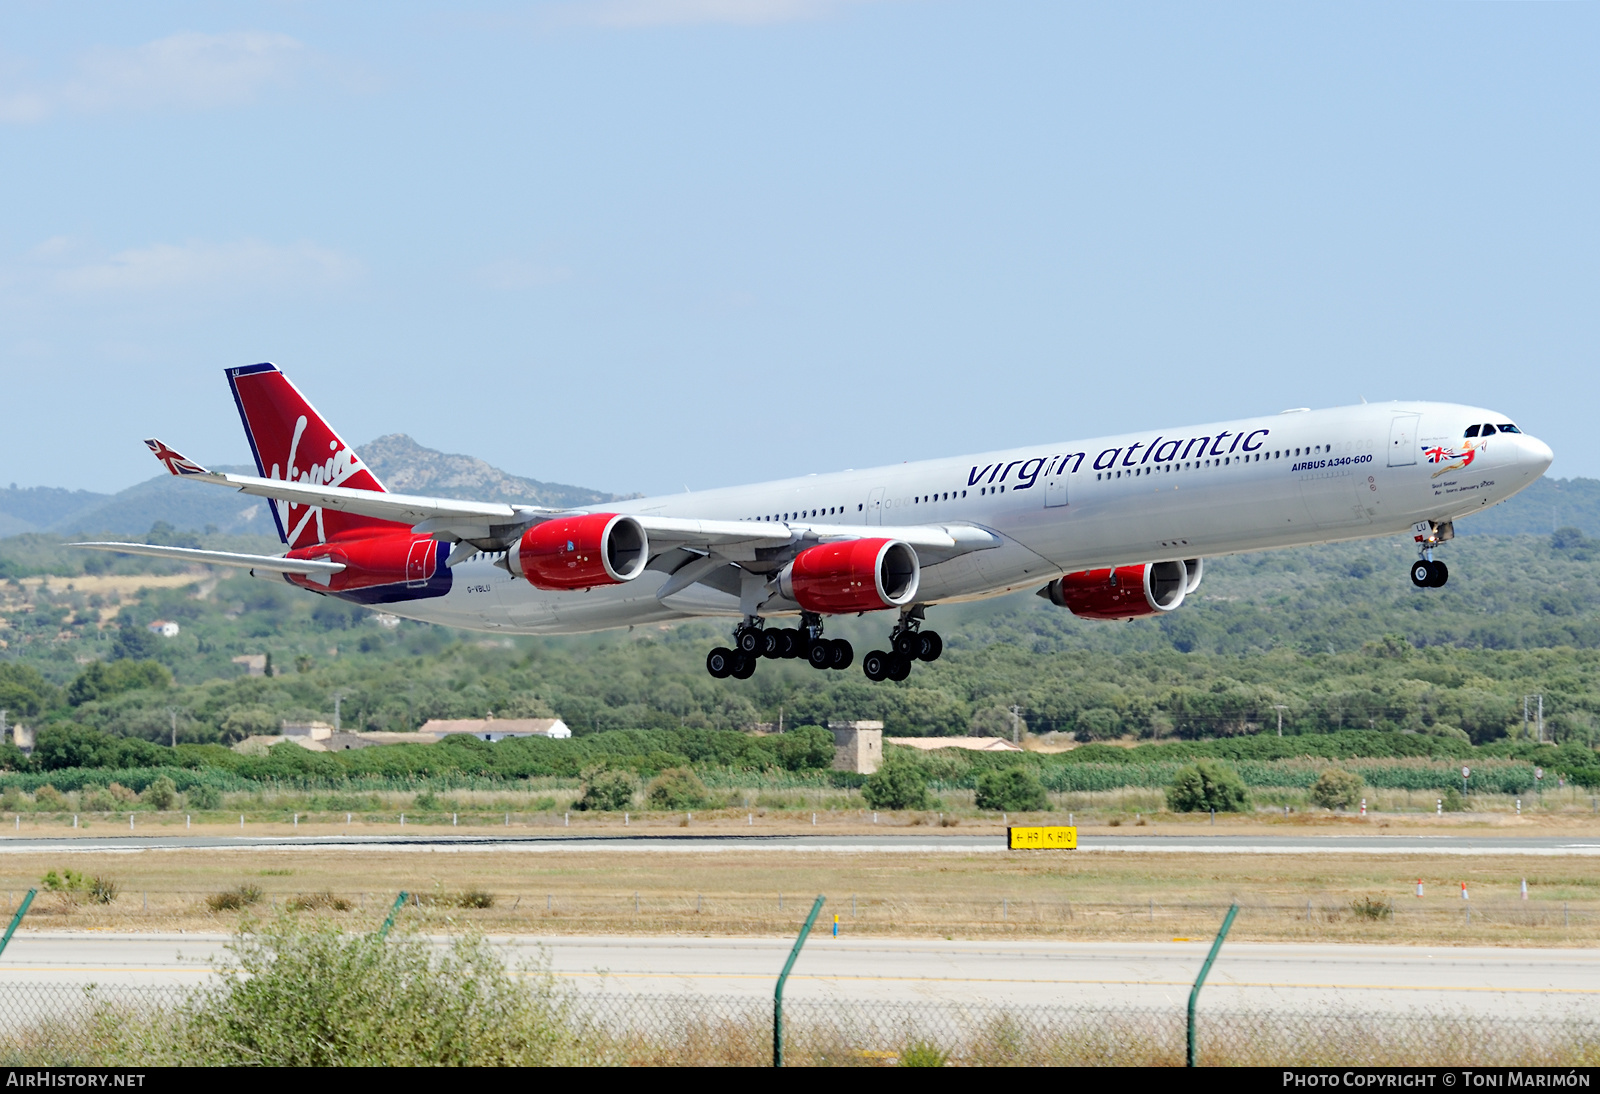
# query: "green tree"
{"type": "Point", "coordinates": [676, 789]}
{"type": "Point", "coordinates": [898, 784]}
{"type": "Point", "coordinates": [161, 793]}
{"type": "Point", "coordinates": [1336, 789]}
{"type": "Point", "coordinates": [1205, 785]}
{"type": "Point", "coordinates": [1016, 790]}
{"type": "Point", "coordinates": [606, 789]}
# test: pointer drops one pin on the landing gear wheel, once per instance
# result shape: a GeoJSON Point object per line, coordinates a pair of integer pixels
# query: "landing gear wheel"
{"type": "Point", "coordinates": [875, 665]}
{"type": "Point", "coordinates": [899, 668]}
{"type": "Point", "coordinates": [931, 645]}
{"type": "Point", "coordinates": [843, 653]}
{"type": "Point", "coordinates": [791, 643]}
{"type": "Point", "coordinates": [719, 662]}
{"type": "Point", "coordinates": [744, 666]}
{"type": "Point", "coordinates": [1441, 574]}
{"type": "Point", "coordinates": [908, 644]}
{"type": "Point", "coordinates": [1422, 573]}
{"type": "Point", "coordinates": [820, 654]}
{"type": "Point", "coordinates": [771, 643]}
{"type": "Point", "coordinates": [750, 641]}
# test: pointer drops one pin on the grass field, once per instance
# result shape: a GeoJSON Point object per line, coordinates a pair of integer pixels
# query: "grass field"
{"type": "Point", "coordinates": [921, 894]}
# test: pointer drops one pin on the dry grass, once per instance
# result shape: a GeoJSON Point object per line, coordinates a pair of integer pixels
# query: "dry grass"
{"type": "Point", "coordinates": [959, 894]}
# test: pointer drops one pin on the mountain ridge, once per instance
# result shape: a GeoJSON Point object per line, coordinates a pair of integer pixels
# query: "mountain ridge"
{"type": "Point", "coordinates": [402, 464]}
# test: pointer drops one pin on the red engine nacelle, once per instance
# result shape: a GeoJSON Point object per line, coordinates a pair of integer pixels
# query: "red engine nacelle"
{"type": "Point", "coordinates": [858, 575]}
{"type": "Point", "coordinates": [372, 560]}
{"type": "Point", "coordinates": [1125, 592]}
{"type": "Point", "coordinates": [581, 552]}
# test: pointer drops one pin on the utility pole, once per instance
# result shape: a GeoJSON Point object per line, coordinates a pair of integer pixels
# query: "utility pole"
{"type": "Point", "coordinates": [1016, 724]}
{"type": "Point", "coordinates": [1533, 706]}
{"type": "Point", "coordinates": [172, 712]}
{"type": "Point", "coordinates": [1280, 708]}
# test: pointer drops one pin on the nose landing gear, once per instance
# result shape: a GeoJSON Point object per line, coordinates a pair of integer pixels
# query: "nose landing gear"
{"type": "Point", "coordinates": [1426, 572]}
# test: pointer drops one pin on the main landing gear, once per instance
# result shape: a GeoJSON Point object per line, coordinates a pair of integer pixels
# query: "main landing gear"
{"type": "Point", "coordinates": [753, 641]}
{"type": "Point", "coordinates": [908, 642]}
{"type": "Point", "coordinates": [1426, 572]}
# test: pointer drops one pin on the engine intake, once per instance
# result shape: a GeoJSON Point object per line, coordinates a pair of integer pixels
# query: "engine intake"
{"type": "Point", "coordinates": [1124, 592]}
{"type": "Point", "coordinates": [581, 552]}
{"type": "Point", "coordinates": [858, 575]}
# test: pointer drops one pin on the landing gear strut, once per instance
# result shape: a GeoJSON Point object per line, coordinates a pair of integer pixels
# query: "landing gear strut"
{"type": "Point", "coordinates": [1426, 572]}
{"type": "Point", "coordinates": [908, 642]}
{"type": "Point", "coordinates": [752, 640]}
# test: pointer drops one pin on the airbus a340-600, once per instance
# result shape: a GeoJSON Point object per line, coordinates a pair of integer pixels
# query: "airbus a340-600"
{"type": "Point", "coordinates": [1108, 528]}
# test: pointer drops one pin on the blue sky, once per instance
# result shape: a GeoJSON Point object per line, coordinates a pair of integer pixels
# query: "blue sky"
{"type": "Point", "coordinates": [642, 244]}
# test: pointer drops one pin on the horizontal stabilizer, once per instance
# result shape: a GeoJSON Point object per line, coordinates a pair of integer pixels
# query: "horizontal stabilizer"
{"type": "Point", "coordinates": [273, 563]}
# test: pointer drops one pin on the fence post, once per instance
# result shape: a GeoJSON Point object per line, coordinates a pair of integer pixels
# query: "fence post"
{"type": "Point", "coordinates": [1194, 993]}
{"type": "Point", "coordinates": [16, 919]}
{"type": "Point", "coordinates": [777, 992]}
{"type": "Point", "coordinates": [399, 902]}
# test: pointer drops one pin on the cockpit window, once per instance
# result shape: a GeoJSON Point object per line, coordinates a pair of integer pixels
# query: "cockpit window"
{"type": "Point", "coordinates": [1507, 427]}
{"type": "Point", "coordinates": [1488, 430]}
{"type": "Point", "coordinates": [1472, 431]}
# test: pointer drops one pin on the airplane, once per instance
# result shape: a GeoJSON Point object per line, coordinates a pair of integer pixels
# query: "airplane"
{"type": "Point", "coordinates": [1112, 528]}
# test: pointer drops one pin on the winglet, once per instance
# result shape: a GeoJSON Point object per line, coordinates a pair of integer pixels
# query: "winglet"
{"type": "Point", "coordinates": [176, 464]}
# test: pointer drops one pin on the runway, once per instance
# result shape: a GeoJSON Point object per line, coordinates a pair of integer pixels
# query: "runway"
{"type": "Point", "coordinates": [1248, 976]}
{"type": "Point", "coordinates": [1323, 844]}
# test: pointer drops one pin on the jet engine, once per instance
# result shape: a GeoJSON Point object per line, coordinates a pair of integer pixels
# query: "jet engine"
{"type": "Point", "coordinates": [1125, 592]}
{"type": "Point", "coordinates": [858, 575]}
{"type": "Point", "coordinates": [581, 552]}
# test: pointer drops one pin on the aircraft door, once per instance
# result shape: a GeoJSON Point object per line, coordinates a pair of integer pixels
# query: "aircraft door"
{"type": "Point", "coordinates": [419, 563]}
{"type": "Point", "coordinates": [1055, 491]}
{"type": "Point", "coordinates": [875, 506]}
{"type": "Point", "coordinates": [1403, 440]}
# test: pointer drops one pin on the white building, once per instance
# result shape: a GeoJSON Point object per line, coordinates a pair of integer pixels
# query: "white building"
{"type": "Point", "coordinates": [498, 729]}
{"type": "Point", "coordinates": [166, 628]}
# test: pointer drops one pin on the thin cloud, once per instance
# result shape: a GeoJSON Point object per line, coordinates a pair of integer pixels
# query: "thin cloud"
{"type": "Point", "coordinates": [659, 13]}
{"type": "Point", "coordinates": [245, 266]}
{"type": "Point", "coordinates": [187, 71]}
{"type": "Point", "coordinates": [513, 274]}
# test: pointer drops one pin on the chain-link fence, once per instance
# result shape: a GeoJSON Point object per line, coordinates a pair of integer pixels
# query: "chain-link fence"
{"type": "Point", "coordinates": [48, 1024]}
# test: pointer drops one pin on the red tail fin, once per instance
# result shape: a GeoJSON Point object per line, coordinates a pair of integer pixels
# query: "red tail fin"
{"type": "Point", "coordinates": [291, 441]}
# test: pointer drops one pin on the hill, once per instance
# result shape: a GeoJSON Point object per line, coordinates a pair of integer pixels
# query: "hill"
{"type": "Point", "coordinates": [402, 464]}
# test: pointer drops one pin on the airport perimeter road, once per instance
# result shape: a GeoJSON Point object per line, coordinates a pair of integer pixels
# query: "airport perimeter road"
{"type": "Point", "coordinates": [1253, 976]}
{"type": "Point", "coordinates": [1329, 843]}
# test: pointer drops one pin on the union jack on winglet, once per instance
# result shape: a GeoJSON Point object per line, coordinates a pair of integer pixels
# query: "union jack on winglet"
{"type": "Point", "coordinates": [177, 464]}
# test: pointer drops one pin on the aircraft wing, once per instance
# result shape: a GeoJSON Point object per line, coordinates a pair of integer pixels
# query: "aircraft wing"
{"type": "Point", "coordinates": [274, 563]}
{"type": "Point", "coordinates": [495, 525]}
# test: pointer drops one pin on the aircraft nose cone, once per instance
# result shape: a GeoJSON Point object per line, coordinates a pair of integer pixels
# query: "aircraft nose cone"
{"type": "Point", "coordinates": [1536, 455]}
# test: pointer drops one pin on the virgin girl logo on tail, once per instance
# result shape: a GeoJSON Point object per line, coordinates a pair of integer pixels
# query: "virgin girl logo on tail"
{"type": "Point", "coordinates": [1440, 454]}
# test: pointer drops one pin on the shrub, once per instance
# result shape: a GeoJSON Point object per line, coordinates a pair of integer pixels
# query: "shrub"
{"type": "Point", "coordinates": [162, 793]}
{"type": "Point", "coordinates": [1016, 790]}
{"type": "Point", "coordinates": [676, 789]}
{"type": "Point", "coordinates": [202, 796]}
{"type": "Point", "coordinates": [1335, 789]}
{"type": "Point", "coordinates": [1372, 907]}
{"type": "Point", "coordinates": [923, 1054]}
{"type": "Point", "coordinates": [474, 898]}
{"type": "Point", "coordinates": [323, 901]}
{"type": "Point", "coordinates": [606, 789]}
{"type": "Point", "coordinates": [1453, 801]}
{"type": "Point", "coordinates": [1205, 785]}
{"type": "Point", "coordinates": [898, 784]}
{"type": "Point", "coordinates": [96, 800]}
{"type": "Point", "coordinates": [235, 900]}
{"type": "Point", "coordinates": [48, 797]}
{"type": "Point", "coordinates": [396, 1003]}
{"type": "Point", "coordinates": [121, 794]}
{"type": "Point", "coordinates": [74, 885]}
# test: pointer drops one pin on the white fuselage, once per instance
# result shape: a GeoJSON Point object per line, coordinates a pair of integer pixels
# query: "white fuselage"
{"type": "Point", "coordinates": [1279, 481]}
